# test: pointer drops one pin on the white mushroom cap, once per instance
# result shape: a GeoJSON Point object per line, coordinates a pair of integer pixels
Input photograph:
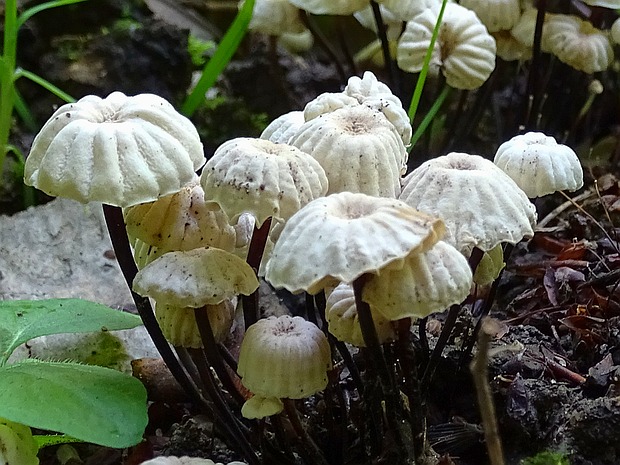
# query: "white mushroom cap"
{"type": "Point", "coordinates": [181, 221]}
{"type": "Point", "coordinates": [262, 178]}
{"type": "Point", "coordinates": [428, 282]}
{"type": "Point", "coordinates": [195, 278]}
{"type": "Point", "coordinates": [343, 236]}
{"type": "Point", "coordinates": [539, 165]}
{"type": "Point", "coordinates": [275, 17]}
{"type": "Point", "coordinates": [284, 357]}
{"type": "Point", "coordinates": [523, 31]}
{"type": "Point", "coordinates": [281, 129]}
{"type": "Point", "coordinates": [578, 44]}
{"type": "Point", "coordinates": [330, 7]}
{"type": "Point", "coordinates": [178, 324]}
{"type": "Point", "coordinates": [464, 50]}
{"type": "Point", "coordinates": [496, 15]}
{"type": "Point", "coordinates": [393, 23]}
{"type": "Point", "coordinates": [406, 10]}
{"type": "Point", "coordinates": [119, 150]}
{"type": "Point", "coordinates": [480, 204]}
{"type": "Point", "coordinates": [368, 91]}
{"type": "Point", "coordinates": [343, 322]}
{"type": "Point", "coordinates": [359, 149]}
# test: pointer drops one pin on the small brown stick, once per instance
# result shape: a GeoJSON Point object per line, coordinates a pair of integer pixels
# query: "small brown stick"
{"type": "Point", "coordinates": [480, 373]}
{"type": "Point", "coordinates": [566, 205]}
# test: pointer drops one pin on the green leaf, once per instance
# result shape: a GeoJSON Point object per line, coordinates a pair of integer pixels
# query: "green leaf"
{"type": "Point", "coordinates": [90, 403]}
{"type": "Point", "coordinates": [22, 320]}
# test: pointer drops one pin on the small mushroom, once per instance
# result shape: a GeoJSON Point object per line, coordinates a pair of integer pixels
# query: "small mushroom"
{"type": "Point", "coordinates": [119, 150]}
{"type": "Point", "coordinates": [340, 237]}
{"type": "Point", "coordinates": [464, 50]}
{"type": "Point", "coordinates": [283, 357]}
{"type": "Point", "coordinates": [496, 15]}
{"type": "Point", "coordinates": [539, 165]}
{"type": "Point", "coordinates": [480, 204]}
{"type": "Point", "coordinates": [428, 282]}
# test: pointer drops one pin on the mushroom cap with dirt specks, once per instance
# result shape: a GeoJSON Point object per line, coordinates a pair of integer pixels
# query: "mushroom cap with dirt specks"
{"type": "Point", "coordinates": [539, 165]}
{"type": "Point", "coordinates": [464, 50]}
{"type": "Point", "coordinates": [343, 236]}
{"type": "Point", "coordinates": [118, 150]}
{"type": "Point", "coordinates": [284, 357]}
{"type": "Point", "coordinates": [181, 221]}
{"type": "Point", "coordinates": [263, 178]}
{"type": "Point", "coordinates": [359, 149]}
{"type": "Point", "coordinates": [428, 282]}
{"type": "Point", "coordinates": [194, 278]}
{"type": "Point", "coordinates": [480, 204]}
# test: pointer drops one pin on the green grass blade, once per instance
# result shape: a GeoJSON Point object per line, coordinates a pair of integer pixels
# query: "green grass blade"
{"type": "Point", "coordinates": [30, 12]}
{"type": "Point", "coordinates": [417, 92]}
{"type": "Point", "coordinates": [225, 51]}
{"type": "Point", "coordinates": [45, 84]}
{"type": "Point", "coordinates": [432, 112]}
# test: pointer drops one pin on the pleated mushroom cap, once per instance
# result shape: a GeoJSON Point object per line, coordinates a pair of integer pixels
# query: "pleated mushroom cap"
{"type": "Point", "coordinates": [284, 357]}
{"type": "Point", "coordinates": [539, 165]}
{"type": "Point", "coordinates": [359, 149]}
{"type": "Point", "coordinates": [464, 50]}
{"type": "Point", "coordinates": [262, 178]}
{"type": "Point", "coordinates": [119, 150]}
{"type": "Point", "coordinates": [343, 236]}
{"type": "Point", "coordinates": [181, 221]}
{"type": "Point", "coordinates": [578, 43]}
{"type": "Point", "coordinates": [496, 15]}
{"type": "Point", "coordinates": [428, 282]}
{"type": "Point", "coordinates": [480, 204]}
{"type": "Point", "coordinates": [178, 324]}
{"type": "Point", "coordinates": [194, 278]}
{"type": "Point", "coordinates": [275, 17]}
{"type": "Point", "coordinates": [281, 129]}
{"type": "Point", "coordinates": [343, 322]}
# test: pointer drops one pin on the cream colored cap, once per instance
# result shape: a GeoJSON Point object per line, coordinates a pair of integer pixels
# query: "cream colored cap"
{"type": "Point", "coordinates": [480, 204]}
{"type": "Point", "coordinates": [263, 178]}
{"type": "Point", "coordinates": [539, 165]}
{"type": "Point", "coordinates": [119, 150]}
{"type": "Point", "coordinates": [343, 236]}
{"type": "Point", "coordinates": [195, 278]}
{"type": "Point", "coordinates": [181, 221]}
{"type": "Point", "coordinates": [464, 50]}
{"type": "Point", "coordinates": [429, 282]}
{"type": "Point", "coordinates": [359, 149]}
{"type": "Point", "coordinates": [284, 357]}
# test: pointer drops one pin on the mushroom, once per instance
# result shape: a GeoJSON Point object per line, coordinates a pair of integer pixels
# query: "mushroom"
{"type": "Point", "coordinates": [179, 221]}
{"type": "Point", "coordinates": [496, 15]}
{"type": "Point", "coordinates": [330, 7]}
{"type": "Point", "coordinates": [119, 150]}
{"type": "Point", "coordinates": [281, 129]}
{"type": "Point", "coordinates": [359, 149]}
{"type": "Point", "coordinates": [282, 357]}
{"type": "Point", "coordinates": [343, 321]}
{"type": "Point", "coordinates": [17, 445]}
{"type": "Point", "coordinates": [539, 165]}
{"type": "Point", "coordinates": [428, 282]}
{"type": "Point", "coordinates": [464, 50]}
{"type": "Point", "coordinates": [343, 236]}
{"type": "Point", "coordinates": [275, 17]}
{"type": "Point", "coordinates": [480, 204]}
{"type": "Point", "coordinates": [578, 43]}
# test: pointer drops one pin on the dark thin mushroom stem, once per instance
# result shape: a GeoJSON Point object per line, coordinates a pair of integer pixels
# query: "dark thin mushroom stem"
{"type": "Point", "coordinates": [533, 88]}
{"type": "Point", "coordinates": [120, 242]}
{"type": "Point", "coordinates": [255, 255]}
{"type": "Point", "coordinates": [378, 365]}
{"type": "Point", "coordinates": [324, 44]}
{"type": "Point", "coordinates": [228, 421]}
{"type": "Point", "coordinates": [213, 354]}
{"type": "Point", "coordinates": [385, 45]}
{"type": "Point", "coordinates": [315, 454]}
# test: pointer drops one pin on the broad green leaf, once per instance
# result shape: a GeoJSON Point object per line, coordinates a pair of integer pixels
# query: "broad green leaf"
{"type": "Point", "coordinates": [90, 403]}
{"type": "Point", "coordinates": [22, 320]}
